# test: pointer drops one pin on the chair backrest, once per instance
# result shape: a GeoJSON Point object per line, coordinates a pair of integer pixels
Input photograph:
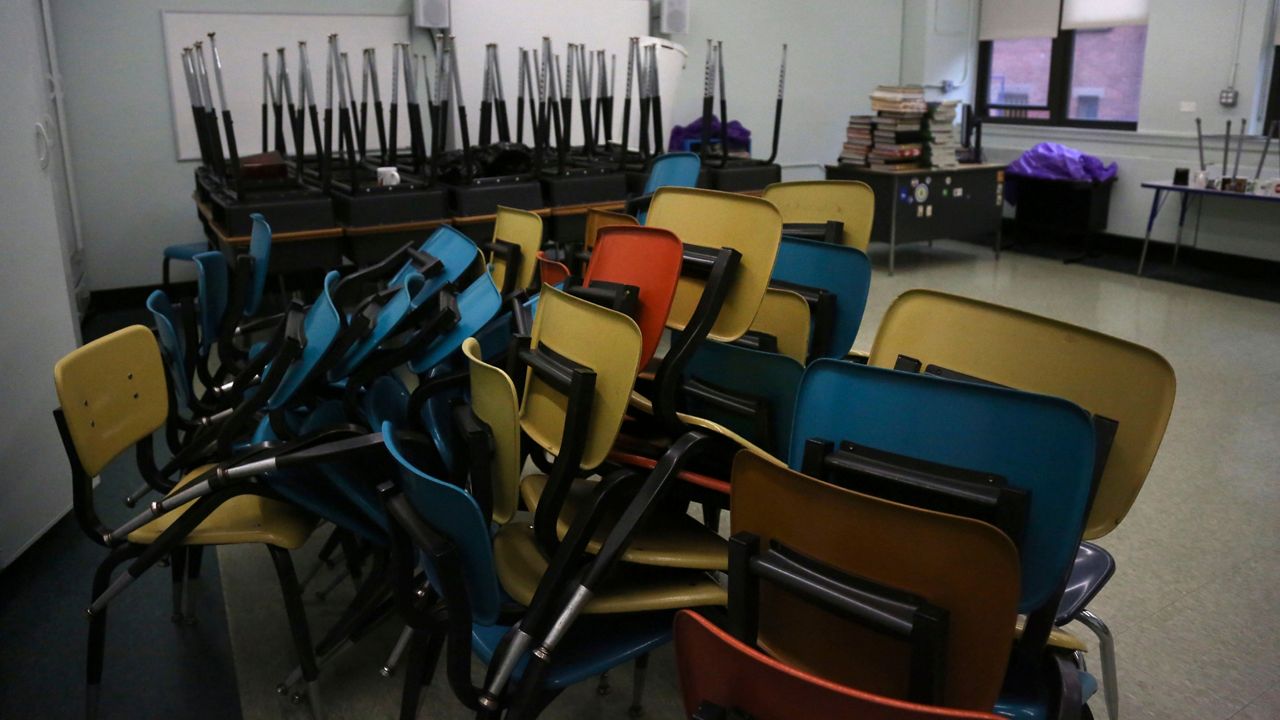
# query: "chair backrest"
{"type": "Point", "coordinates": [407, 298]}
{"type": "Point", "coordinates": [523, 229]}
{"type": "Point", "coordinates": [477, 305]}
{"type": "Point", "coordinates": [764, 377]}
{"type": "Point", "coordinates": [212, 290]}
{"type": "Point", "coordinates": [1120, 380]}
{"type": "Point", "coordinates": [818, 201]}
{"type": "Point", "coordinates": [964, 566]}
{"type": "Point", "coordinates": [647, 258]}
{"type": "Point", "coordinates": [715, 667]}
{"type": "Point", "coordinates": [606, 342]}
{"type": "Point", "coordinates": [785, 315]}
{"type": "Point", "coordinates": [1043, 445]}
{"type": "Point", "coordinates": [453, 249]}
{"type": "Point", "coordinates": [260, 251]}
{"type": "Point", "coordinates": [841, 270]}
{"type": "Point", "coordinates": [172, 344]}
{"type": "Point", "coordinates": [673, 169]}
{"type": "Point", "coordinates": [551, 272]}
{"type": "Point", "coordinates": [112, 393]}
{"type": "Point", "coordinates": [321, 327]}
{"type": "Point", "coordinates": [494, 402]}
{"type": "Point", "coordinates": [451, 511]}
{"type": "Point", "coordinates": [599, 219]}
{"type": "Point", "coordinates": [713, 219]}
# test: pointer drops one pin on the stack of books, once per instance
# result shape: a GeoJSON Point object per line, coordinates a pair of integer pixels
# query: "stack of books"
{"type": "Point", "coordinates": [858, 140]}
{"type": "Point", "coordinates": [893, 137]}
{"type": "Point", "coordinates": [940, 132]}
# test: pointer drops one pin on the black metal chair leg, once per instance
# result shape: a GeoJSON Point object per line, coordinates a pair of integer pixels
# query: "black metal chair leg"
{"type": "Point", "coordinates": [297, 620]}
{"type": "Point", "coordinates": [164, 279]}
{"type": "Point", "coordinates": [411, 695]}
{"type": "Point", "coordinates": [195, 557]}
{"type": "Point", "coordinates": [178, 571]}
{"type": "Point", "coordinates": [98, 625]}
{"type": "Point", "coordinates": [354, 555]}
{"type": "Point", "coordinates": [637, 689]}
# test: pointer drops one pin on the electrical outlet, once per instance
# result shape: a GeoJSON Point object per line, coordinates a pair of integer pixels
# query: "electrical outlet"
{"type": "Point", "coordinates": [1228, 97]}
{"type": "Point", "coordinates": [1187, 106]}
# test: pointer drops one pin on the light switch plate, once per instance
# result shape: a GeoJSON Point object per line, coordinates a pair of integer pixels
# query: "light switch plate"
{"type": "Point", "coordinates": [1228, 97]}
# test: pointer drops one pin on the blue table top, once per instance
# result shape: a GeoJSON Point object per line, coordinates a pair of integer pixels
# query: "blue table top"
{"type": "Point", "coordinates": [1170, 187]}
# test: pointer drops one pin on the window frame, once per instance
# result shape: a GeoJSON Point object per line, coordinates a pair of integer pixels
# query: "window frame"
{"type": "Point", "coordinates": [1058, 105]}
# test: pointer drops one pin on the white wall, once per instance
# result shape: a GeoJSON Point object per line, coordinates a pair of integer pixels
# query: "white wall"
{"type": "Point", "coordinates": [839, 51]}
{"type": "Point", "coordinates": [1188, 58]}
{"type": "Point", "coordinates": [37, 324]}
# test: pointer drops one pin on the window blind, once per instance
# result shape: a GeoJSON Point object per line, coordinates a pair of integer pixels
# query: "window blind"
{"type": "Point", "coordinates": [1012, 19]}
{"type": "Point", "coordinates": [1091, 14]}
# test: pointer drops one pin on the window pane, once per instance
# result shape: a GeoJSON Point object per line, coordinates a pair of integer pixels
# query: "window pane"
{"type": "Point", "coordinates": [1019, 75]}
{"type": "Point", "coordinates": [1106, 73]}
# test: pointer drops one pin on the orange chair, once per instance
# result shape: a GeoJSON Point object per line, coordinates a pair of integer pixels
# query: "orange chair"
{"type": "Point", "coordinates": [598, 220]}
{"type": "Point", "coordinates": [717, 670]}
{"type": "Point", "coordinates": [551, 272]}
{"type": "Point", "coordinates": [648, 258]}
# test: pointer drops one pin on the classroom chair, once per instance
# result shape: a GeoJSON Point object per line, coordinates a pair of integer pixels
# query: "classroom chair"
{"type": "Point", "coordinates": [813, 208]}
{"type": "Point", "coordinates": [672, 169]}
{"type": "Point", "coordinates": [517, 237]}
{"type": "Point", "coordinates": [112, 396]}
{"type": "Point", "coordinates": [1021, 462]}
{"type": "Point", "coordinates": [1129, 387]}
{"type": "Point", "coordinates": [928, 598]}
{"type": "Point", "coordinates": [597, 220]}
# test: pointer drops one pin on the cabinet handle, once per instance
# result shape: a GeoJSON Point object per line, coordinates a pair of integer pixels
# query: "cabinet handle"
{"type": "Point", "coordinates": [42, 145]}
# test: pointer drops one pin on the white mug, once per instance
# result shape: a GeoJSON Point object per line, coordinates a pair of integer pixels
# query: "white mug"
{"type": "Point", "coordinates": [388, 176]}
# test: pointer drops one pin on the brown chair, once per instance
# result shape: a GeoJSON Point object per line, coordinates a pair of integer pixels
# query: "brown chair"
{"type": "Point", "coordinates": [967, 568]}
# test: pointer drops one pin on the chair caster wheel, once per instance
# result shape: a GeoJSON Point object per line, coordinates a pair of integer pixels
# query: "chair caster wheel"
{"type": "Point", "coordinates": [282, 689]}
{"type": "Point", "coordinates": [296, 699]}
{"type": "Point", "coordinates": [386, 672]}
{"type": "Point", "coordinates": [635, 712]}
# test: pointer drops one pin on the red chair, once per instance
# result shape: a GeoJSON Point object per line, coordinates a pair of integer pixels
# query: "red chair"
{"type": "Point", "coordinates": [551, 272]}
{"type": "Point", "coordinates": [717, 670]}
{"type": "Point", "coordinates": [648, 258]}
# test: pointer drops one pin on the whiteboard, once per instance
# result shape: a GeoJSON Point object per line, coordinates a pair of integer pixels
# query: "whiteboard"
{"type": "Point", "coordinates": [522, 23]}
{"type": "Point", "coordinates": [243, 37]}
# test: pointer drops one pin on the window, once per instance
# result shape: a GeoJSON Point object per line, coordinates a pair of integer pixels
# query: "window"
{"type": "Point", "coordinates": [1086, 73]}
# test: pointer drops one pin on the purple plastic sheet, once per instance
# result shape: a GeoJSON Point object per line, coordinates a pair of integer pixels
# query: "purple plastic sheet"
{"type": "Point", "coordinates": [739, 136]}
{"type": "Point", "coordinates": [1051, 161]}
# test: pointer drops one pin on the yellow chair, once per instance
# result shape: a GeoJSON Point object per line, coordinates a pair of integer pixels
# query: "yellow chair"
{"type": "Point", "coordinates": [517, 237]}
{"type": "Point", "coordinates": [784, 316]}
{"type": "Point", "coordinates": [598, 219]}
{"type": "Point", "coordinates": [606, 344]}
{"type": "Point", "coordinates": [1112, 378]}
{"type": "Point", "coordinates": [112, 395]}
{"type": "Point", "coordinates": [811, 202]}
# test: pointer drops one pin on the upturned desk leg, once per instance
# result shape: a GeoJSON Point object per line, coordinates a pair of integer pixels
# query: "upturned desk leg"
{"type": "Point", "coordinates": [1151, 220]}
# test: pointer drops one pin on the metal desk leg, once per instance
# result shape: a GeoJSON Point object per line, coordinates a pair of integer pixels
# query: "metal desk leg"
{"type": "Point", "coordinates": [893, 225]}
{"type": "Point", "coordinates": [1151, 220]}
{"type": "Point", "coordinates": [999, 234]}
{"type": "Point", "coordinates": [1177, 239]}
{"type": "Point", "coordinates": [1195, 236]}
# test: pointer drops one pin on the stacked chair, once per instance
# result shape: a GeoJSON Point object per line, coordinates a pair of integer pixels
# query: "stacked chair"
{"type": "Point", "coordinates": [526, 462]}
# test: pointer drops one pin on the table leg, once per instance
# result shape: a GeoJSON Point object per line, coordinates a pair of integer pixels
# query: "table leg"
{"type": "Point", "coordinates": [999, 234]}
{"type": "Point", "coordinates": [1195, 235]}
{"type": "Point", "coordinates": [1177, 238]}
{"type": "Point", "coordinates": [1151, 220]}
{"type": "Point", "coordinates": [893, 225]}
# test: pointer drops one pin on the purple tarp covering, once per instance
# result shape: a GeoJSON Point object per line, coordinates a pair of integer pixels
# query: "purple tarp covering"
{"type": "Point", "coordinates": [739, 136]}
{"type": "Point", "coordinates": [1051, 161]}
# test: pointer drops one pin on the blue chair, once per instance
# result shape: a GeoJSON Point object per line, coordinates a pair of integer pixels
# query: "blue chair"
{"type": "Point", "coordinates": [673, 169]}
{"type": "Point", "coordinates": [260, 251]}
{"type": "Point", "coordinates": [462, 567]}
{"type": "Point", "coordinates": [182, 252]}
{"type": "Point", "coordinates": [173, 346]}
{"type": "Point", "coordinates": [751, 392]}
{"type": "Point", "coordinates": [834, 280]}
{"type": "Point", "coordinates": [1040, 445]}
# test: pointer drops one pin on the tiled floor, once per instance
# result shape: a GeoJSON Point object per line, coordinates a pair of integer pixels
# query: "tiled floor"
{"type": "Point", "coordinates": [1194, 602]}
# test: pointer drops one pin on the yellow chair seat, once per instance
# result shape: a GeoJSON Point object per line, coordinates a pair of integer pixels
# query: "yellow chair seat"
{"type": "Point", "coordinates": [1058, 638]}
{"type": "Point", "coordinates": [670, 539]}
{"type": "Point", "coordinates": [242, 519]}
{"type": "Point", "coordinates": [632, 588]}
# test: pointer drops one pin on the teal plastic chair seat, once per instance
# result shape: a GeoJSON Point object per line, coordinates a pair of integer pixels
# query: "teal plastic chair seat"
{"type": "Point", "coordinates": [673, 169]}
{"type": "Point", "coordinates": [173, 344]}
{"type": "Point", "coordinates": [841, 270]}
{"type": "Point", "coordinates": [1041, 444]}
{"type": "Point", "coordinates": [768, 378]}
{"type": "Point", "coordinates": [212, 290]}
